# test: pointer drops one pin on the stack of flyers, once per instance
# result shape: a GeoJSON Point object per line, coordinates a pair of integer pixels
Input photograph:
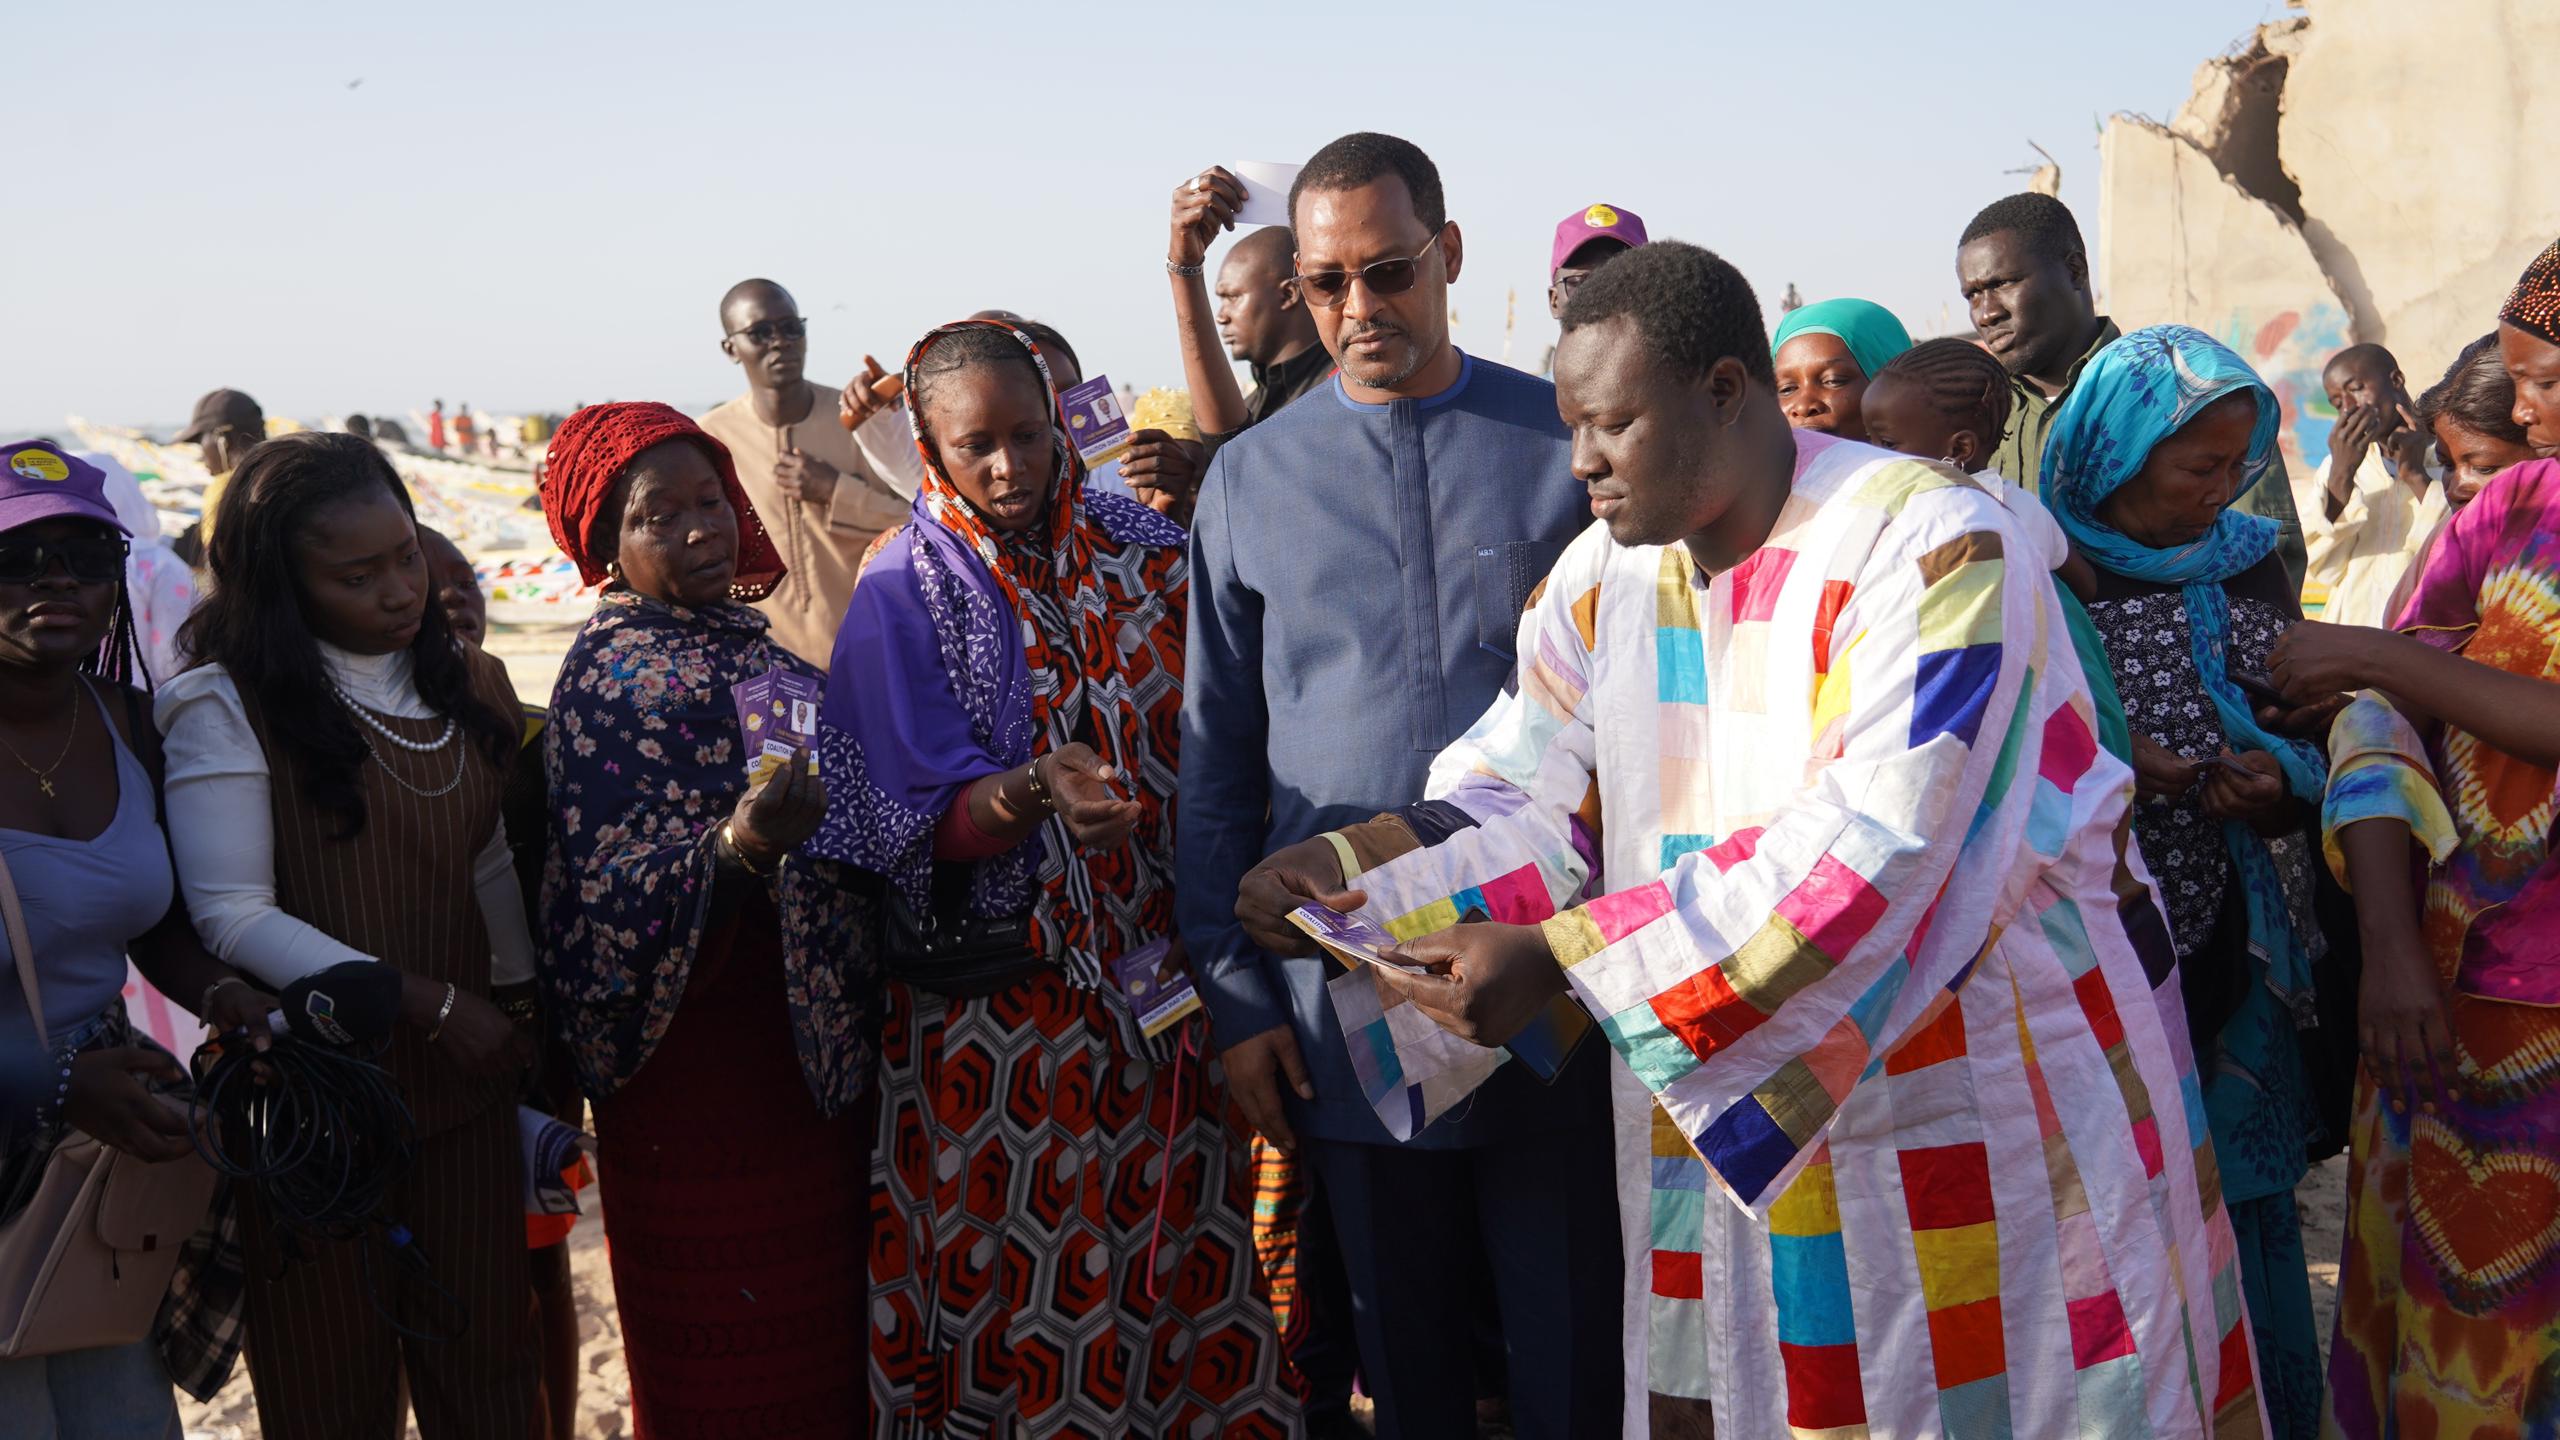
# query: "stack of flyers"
{"type": "Point", "coordinates": [1094, 421]}
{"type": "Point", "coordinates": [1352, 940]}
{"type": "Point", "coordinates": [1544, 1046]}
{"type": "Point", "coordinates": [777, 713]}
{"type": "Point", "coordinates": [1159, 1005]}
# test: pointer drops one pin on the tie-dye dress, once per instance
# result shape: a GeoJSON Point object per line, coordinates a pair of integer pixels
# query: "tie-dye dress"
{"type": "Point", "coordinates": [2449, 1295]}
{"type": "Point", "coordinates": [1909, 1139]}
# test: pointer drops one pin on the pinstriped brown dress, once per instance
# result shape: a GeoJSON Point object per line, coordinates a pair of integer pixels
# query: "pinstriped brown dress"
{"type": "Point", "coordinates": [326, 1364]}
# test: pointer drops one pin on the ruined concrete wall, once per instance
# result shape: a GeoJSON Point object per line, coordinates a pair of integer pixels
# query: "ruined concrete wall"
{"type": "Point", "coordinates": [2232, 114]}
{"type": "Point", "coordinates": [2182, 244]}
{"type": "Point", "coordinates": [2349, 174]}
{"type": "Point", "coordinates": [2406, 126]}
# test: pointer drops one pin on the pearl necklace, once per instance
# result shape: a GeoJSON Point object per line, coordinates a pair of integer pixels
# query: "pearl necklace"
{"type": "Point", "coordinates": [461, 762]}
{"type": "Point", "coordinates": [365, 714]}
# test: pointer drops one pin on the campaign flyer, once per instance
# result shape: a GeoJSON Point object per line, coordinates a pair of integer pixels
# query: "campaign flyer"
{"type": "Point", "coordinates": [1095, 422]}
{"type": "Point", "coordinates": [777, 712]}
{"type": "Point", "coordinates": [1158, 1004]}
{"type": "Point", "coordinates": [1349, 937]}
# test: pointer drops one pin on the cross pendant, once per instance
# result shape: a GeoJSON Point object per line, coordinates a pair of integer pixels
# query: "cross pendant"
{"type": "Point", "coordinates": [45, 784]}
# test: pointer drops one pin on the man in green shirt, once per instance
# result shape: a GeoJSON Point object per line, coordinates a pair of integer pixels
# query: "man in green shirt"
{"type": "Point", "coordinates": [2025, 277]}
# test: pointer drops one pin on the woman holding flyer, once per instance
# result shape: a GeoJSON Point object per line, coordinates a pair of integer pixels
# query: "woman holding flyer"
{"type": "Point", "coordinates": [1071, 1208]}
{"type": "Point", "coordinates": [714, 984]}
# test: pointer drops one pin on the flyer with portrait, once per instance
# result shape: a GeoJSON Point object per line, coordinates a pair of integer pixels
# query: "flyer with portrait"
{"type": "Point", "coordinates": [777, 713]}
{"type": "Point", "coordinates": [1096, 425]}
{"type": "Point", "coordinates": [1158, 1002]}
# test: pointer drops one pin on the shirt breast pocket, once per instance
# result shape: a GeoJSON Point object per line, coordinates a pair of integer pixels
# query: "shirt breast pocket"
{"type": "Point", "coordinates": [1507, 573]}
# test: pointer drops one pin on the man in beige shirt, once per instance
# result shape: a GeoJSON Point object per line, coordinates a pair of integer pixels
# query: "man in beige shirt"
{"type": "Point", "coordinates": [823, 493]}
{"type": "Point", "coordinates": [2368, 512]}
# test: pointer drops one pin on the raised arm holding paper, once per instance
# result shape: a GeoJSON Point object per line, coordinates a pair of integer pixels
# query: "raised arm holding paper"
{"type": "Point", "coordinates": [1257, 316]}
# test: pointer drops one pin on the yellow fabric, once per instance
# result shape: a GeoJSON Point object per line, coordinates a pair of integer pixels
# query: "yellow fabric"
{"type": "Point", "coordinates": [213, 489]}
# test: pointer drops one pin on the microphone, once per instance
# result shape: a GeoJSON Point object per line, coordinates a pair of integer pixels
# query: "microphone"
{"type": "Point", "coordinates": [353, 1004]}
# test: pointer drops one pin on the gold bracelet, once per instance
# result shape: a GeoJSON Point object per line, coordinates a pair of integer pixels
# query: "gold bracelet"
{"type": "Point", "coordinates": [729, 840]}
{"type": "Point", "coordinates": [1039, 791]}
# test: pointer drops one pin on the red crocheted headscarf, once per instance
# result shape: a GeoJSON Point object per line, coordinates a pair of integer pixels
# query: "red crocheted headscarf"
{"type": "Point", "coordinates": [589, 453]}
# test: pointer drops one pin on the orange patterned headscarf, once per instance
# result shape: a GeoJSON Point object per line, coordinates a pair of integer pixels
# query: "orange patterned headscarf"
{"type": "Point", "coordinates": [1097, 595]}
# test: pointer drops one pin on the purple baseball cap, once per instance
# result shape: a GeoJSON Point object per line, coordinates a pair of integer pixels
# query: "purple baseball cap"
{"type": "Point", "coordinates": [1599, 222]}
{"type": "Point", "coordinates": [39, 482]}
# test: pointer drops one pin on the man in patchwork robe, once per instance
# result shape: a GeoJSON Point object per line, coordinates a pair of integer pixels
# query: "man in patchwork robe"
{"type": "Point", "coordinates": [1801, 799]}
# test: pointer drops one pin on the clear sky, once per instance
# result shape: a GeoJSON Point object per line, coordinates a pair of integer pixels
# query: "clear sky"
{"type": "Point", "coordinates": [530, 205]}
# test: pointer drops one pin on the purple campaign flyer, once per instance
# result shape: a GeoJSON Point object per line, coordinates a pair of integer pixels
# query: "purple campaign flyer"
{"type": "Point", "coordinates": [1353, 939]}
{"type": "Point", "coordinates": [1095, 422]}
{"type": "Point", "coordinates": [1158, 1004]}
{"type": "Point", "coordinates": [777, 712]}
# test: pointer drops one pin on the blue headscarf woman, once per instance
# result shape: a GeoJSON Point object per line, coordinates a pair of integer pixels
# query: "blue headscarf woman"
{"type": "Point", "coordinates": [2165, 430]}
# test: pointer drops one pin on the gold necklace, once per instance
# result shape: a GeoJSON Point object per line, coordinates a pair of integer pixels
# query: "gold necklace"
{"type": "Point", "coordinates": [44, 777]}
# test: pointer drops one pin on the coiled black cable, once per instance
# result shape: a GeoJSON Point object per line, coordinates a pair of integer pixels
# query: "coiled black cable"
{"type": "Point", "coordinates": [323, 1136]}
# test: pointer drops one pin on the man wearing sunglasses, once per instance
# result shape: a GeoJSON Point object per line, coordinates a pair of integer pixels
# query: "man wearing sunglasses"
{"type": "Point", "coordinates": [1359, 563]}
{"type": "Point", "coordinates": [824, 493]}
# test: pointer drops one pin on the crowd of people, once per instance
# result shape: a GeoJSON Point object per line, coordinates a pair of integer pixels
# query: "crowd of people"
{"type": "Point", "coordinates": [1883, 892]}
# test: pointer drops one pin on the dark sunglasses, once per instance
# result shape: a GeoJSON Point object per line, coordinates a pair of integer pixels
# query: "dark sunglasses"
{"type": "Point", "coordinates": [1325, 289]}
{"type": "Point", "coordinates": [769, 332]}
{"type": "Point", "coordinates": [91, 559]}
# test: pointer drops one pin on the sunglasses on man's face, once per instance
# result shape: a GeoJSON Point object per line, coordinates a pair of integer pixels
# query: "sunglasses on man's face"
{"type": "Point", "coordinates": [774, 332]}
{"type": "Point", "coordinates": [1325, 289]}
{"type": "Point", "coordinates": [91, 559]}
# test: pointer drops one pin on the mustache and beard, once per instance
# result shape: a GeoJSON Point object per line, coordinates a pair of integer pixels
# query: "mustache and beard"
{"type": "Point", "coordinates": [1385, 371]}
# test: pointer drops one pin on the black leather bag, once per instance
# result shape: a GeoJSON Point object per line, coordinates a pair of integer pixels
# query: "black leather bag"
{"type": "Point", "coordinates": [948, 951]}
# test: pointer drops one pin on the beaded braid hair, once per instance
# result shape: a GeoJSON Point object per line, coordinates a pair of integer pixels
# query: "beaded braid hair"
{"type": "Point", "coordinates": [2535, 304]}
{"type": "Point", "coordinates": [119, 659]}
{"type": "Point", "coordinates": [1963, 383]}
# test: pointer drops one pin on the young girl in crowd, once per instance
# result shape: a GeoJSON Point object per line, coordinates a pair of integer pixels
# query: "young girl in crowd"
{"type": "Point", "coordinates": [1949, 400]}
{"type": "Point", "coordinates": [1063, 1208]}
{"type": "Point", "coordinates": [335, 763]}
{"type": "Point", "coordinates": [80, 835]}
{"type": "Point", "coordinates": [2470, 413]}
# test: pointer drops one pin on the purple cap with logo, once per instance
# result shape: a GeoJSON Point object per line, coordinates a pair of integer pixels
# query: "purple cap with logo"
{"type": "Point", "coordinates": [1600, 222]}
{"type": "Point", "coordinates": [39, 482]}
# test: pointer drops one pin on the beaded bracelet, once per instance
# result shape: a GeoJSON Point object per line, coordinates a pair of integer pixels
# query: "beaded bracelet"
{"type": "Point", "coordinates": [49, 1108]}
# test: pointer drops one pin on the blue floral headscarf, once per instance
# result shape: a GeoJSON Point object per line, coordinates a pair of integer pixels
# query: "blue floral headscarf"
{"type": "Point", "coordinates": [2131, 396]}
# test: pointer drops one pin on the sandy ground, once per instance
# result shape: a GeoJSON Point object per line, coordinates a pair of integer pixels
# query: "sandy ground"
{"type": "Point", "coordinates": [605, 1387]}
{"type": "Point", "coordinates": [532, 656]}
{"type": "Point", "coordinates": [604, 1393]}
